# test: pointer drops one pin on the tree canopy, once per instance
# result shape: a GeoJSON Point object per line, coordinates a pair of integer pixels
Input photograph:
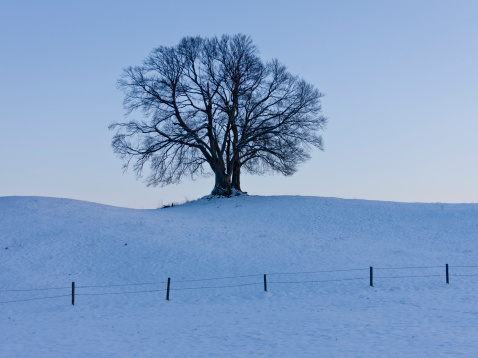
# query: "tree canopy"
{"type": "Point", "coordinates": [211, 105]}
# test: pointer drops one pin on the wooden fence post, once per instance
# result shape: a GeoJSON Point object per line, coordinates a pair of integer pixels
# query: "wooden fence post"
{"type": "Point", "coordinates": [167, 291]}
{"type": "Point", "coordinates": [265, 282]}
{"type": "Point", "coordinates": [371, 276]}
{"type": "Point", "coordinates": [73, 293]}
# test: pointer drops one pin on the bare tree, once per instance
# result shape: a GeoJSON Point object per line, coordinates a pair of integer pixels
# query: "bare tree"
{"type": "Point", "coordinates": [212, 106]}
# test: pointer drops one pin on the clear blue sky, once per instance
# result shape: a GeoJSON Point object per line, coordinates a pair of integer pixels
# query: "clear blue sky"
{"type": "Point", "coordinates": [400, 78]}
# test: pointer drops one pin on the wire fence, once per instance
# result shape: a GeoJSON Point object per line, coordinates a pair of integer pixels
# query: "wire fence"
{"type": "Point", "coordinates": [252, 280]}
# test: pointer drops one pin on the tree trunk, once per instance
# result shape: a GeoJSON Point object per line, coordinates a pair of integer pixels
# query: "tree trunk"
{"type": "Point", "coordinates": [236, 178]}
{"type": "Point", "coordinates": [222, 186]}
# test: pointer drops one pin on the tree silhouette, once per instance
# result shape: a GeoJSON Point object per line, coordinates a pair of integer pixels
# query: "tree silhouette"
{"type": "Point", "coordinates": [211, 105]}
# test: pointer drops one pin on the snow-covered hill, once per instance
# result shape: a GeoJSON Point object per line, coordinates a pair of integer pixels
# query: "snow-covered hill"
{"type": "Point", "coordinates": [316, 253]}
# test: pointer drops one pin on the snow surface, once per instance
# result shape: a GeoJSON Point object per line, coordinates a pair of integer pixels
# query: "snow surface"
{"type": "Point", "coordinates": [48, 243]}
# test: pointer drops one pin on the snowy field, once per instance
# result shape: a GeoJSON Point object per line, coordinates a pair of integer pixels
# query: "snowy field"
{"type": "Point", "coordinates": [315, 251]}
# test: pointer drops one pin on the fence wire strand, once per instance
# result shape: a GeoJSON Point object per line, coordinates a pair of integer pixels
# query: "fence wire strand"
{"type": "Point", "coordinates": [117, 293]}
{"type": "Point", "coordinates": [35, 299]}
{"type": "Point", "coordinates": [408, 276]}
{"type": "Point", "coordinates": [408, 268]}
{"type": "Point", "coordinates": [36, 289]}
{"type": "Point", "coordinates": [319, 281]}
{"type": "Point", "coordinates": [322, 271]}
{"type": "Point", "coordinates": [218, 278]}
{"type": "Point", "coordinates": [124, 285]}
{"type": "Point", "coordinates": [228, 286]}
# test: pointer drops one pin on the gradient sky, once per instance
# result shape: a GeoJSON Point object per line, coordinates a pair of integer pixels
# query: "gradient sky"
{"type": "Point", "coordinates": [400, 78]}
